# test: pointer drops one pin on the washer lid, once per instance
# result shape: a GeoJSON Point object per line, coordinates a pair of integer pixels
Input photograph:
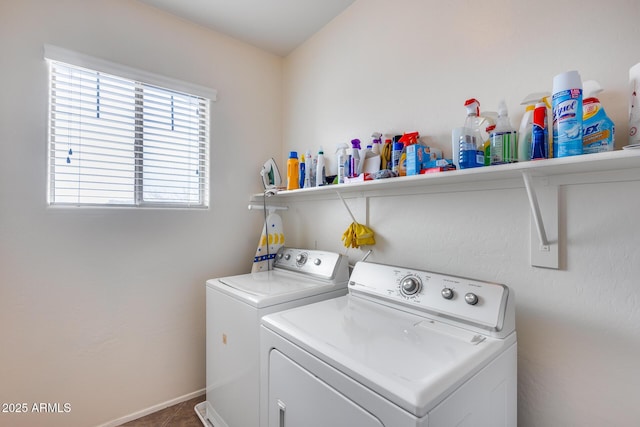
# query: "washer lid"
{"type": "Point", "coordinates": [413, 361]}
{"type": "Point", "coordinates": [268, 288]}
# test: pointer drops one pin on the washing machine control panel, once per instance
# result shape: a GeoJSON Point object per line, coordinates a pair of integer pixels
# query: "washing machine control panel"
{"type": "Point", "coordinates": [432, 294]}
{"type": "Point", "coordinates": [311, 262]}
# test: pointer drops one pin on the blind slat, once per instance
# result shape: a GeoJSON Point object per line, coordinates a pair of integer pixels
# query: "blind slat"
{"type": "Point", "coordinates": [115, 141]}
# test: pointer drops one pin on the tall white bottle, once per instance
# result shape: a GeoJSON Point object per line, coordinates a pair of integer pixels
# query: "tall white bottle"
{"type": "Point", "coordinates": [320, 168]}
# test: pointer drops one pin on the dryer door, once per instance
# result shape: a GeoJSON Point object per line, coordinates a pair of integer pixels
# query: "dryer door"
{"type": "Point", "coordinates": [299, 399]}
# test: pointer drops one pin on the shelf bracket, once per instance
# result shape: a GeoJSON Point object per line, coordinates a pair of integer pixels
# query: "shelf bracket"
{"type": "Point", "coordinates": [544, 223]}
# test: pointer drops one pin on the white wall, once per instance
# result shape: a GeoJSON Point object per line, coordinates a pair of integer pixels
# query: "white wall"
{"type": "Point", "coordinates": [409, 65]}
{"type": "Point", "coordinates": [102, 308]}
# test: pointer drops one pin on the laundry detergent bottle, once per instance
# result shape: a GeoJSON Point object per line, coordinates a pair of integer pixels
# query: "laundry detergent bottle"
{"type": "Point", "coordinates": [293, 166]}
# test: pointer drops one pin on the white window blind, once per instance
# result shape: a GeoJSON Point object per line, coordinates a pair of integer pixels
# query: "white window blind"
{"type": "Point", "coordinates": [117, 141]}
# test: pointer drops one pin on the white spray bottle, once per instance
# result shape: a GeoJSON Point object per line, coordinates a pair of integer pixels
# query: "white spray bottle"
{"type": "Point", "coordinates": [341, 158]}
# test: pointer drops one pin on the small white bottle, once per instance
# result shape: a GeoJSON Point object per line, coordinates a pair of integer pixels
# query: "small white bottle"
{"type": "Point", "coordinates": [320, 171]}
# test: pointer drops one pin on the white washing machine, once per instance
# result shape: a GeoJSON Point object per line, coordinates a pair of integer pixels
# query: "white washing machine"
{"type": "Point", "coordinates": [404, 348]}
{"type": "Point", "coordinates": [234, 307]}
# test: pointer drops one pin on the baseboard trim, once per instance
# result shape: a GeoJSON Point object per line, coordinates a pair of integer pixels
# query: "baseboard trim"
{"type": "Point", "coordinates": [154, 408]}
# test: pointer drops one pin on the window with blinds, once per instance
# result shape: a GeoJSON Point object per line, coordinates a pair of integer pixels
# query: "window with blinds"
{"type": "Point", "coordinates": [116, 141]}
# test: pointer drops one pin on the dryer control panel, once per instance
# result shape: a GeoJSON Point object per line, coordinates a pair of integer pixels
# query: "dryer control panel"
{"type": "Point", "coordinates": [311, 262]}
{"type": "Point", "coordinates": [465, 302]}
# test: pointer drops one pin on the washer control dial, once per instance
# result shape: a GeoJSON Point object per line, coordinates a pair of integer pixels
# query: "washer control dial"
{"type": "Point", "coordinates": [301, 259]}
{"type": "Point", "coordinates": [447, 293]}
{"type": "Point", "coordinates": [317, 261]}
{"type": "Point", "coordinates": [410, 285]}
{"type": "Point", "coordinates": [471, 298]}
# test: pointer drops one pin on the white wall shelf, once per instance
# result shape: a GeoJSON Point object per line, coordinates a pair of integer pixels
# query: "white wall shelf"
{"type": "Point", "coordinates": [540, 178]}
{"type": "Point", "coordinates": [602, 167]}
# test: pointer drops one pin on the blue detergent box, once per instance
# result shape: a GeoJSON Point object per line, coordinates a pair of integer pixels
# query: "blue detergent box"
{"type": "Point", "coordinates": [419, 156]}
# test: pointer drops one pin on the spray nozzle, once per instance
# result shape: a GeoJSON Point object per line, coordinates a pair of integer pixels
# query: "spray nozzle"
{"type": "Point", "coordinates": [590, 89]}
{"type": "Point", "coordinates": [355, 143]}
{"type": "Point", "coordinates": [534, 98]}
{"type": "Point", "coordinates": [321, 151]}
{"type": "Point", "coordinates": [409, 138]}
{"type": "Point", "coordinates": [473, 106]}
{"type": "Point", "coordinates": [341, 148]}
{"type": "Point", "coordinates": [377, 137]}
{"type": "Point", "coordinates": [502, 109]}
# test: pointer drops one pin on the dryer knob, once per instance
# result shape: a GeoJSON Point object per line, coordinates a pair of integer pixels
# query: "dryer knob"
{"type": "Point", "coordinates": [447, 293]}
{"type": "Point", "coordinates": [301, 259]}
{"type": "Point", "coordinates": [287, 256]}
{"type": "Point", "coordinates": [471, 298]}
{"type": "Point", "coordinates": [317, 261]}
{"type": "Point", "coordinates": [410, 285]}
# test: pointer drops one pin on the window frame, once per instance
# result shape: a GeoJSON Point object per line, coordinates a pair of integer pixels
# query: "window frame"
{"type": "Point", "coordinates": [144, 79]}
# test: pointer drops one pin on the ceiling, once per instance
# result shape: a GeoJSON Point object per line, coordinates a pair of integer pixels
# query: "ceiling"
{"type": "Point", "coordinates": [277, 26]}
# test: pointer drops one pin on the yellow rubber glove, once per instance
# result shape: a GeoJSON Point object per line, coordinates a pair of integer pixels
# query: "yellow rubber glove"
{"type": "Point", "coordinates": [357, 235]}
{"type": "Point", "coordinates": [364, 235]}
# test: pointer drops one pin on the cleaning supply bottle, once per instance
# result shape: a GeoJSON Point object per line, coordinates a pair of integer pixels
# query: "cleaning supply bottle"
{"type": "Point", "coordinates": [309, 170]}
{"type": "Point", "coordinates": [473, 121]}
{"type": "Point", "coordinates": [292, 171]}
{"type": "Point", "coordinates": [341, 158]}
{"type": "Point", "coordinates": [634, 104]}
{"type": "Point", "coordinates": [395, 153]}
{"type": "Point", "coordinates": [526, 124]}
{"type": "Point", "coordinates": [503, 138]}
{"type": "Point", "coordinates": [302, 174]}
{"type": "Point", "coordinates": [524, 134]}
{"type": "Point", "coordinates": [354, 159]}
{"type": "Point", "coordinates": [567, 114]}
{"type": "Point", "coordinates": [406, 139]}
{"type": "Point", "coordinates": [539, 135]}
{"type": "Point", "coordinates": [486, 147]}
{"type": "Point", "coordinates": [320, 168]}
{"type": "Point", "coordinates": [598, 131]}
{"type": "Point", "coordinates": [472, 127]}
{"type": "Point", "coordinates": [385, 155]}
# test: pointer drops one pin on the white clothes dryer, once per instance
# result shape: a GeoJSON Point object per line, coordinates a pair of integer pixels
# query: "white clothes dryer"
{"type": "Point", "coordinates": [235, 305]}
{"type": "Point", "coordinates": [404, 348]}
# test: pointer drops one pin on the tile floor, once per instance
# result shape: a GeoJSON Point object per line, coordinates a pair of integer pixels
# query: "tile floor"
{"type": "Point", "coordinates": [180, 415]}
